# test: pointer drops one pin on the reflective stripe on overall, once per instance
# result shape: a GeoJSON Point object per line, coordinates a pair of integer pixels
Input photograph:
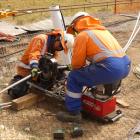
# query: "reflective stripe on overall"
{"type": "Point", "coordinates": [106, 71]}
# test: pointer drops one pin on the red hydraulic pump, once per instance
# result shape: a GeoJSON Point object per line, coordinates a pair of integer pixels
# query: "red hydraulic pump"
{"type": "Point", "coordinates": [101, 105]}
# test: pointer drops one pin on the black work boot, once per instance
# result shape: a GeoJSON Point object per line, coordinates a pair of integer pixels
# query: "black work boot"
{"type": "Point", "coordinates": [69, 117]}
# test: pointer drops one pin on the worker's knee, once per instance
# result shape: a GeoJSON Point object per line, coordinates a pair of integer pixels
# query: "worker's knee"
{"type": "Point", "coordinates": [74, 83]}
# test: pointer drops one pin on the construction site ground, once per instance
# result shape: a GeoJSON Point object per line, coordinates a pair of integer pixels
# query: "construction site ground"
{"type": "Point", "coordinates": [37, 123]}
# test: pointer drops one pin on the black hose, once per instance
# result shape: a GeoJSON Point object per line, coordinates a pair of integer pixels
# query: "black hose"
{"type": "Point", "coordinates": [63, 20]}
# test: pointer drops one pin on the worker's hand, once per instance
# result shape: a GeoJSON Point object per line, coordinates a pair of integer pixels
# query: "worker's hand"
{"type": "Point", "coordinates": [69, 67]}
{"type": "Point", "coordinates": [34, 72]}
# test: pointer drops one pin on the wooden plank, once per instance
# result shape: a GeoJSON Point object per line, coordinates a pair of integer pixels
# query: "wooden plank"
{"type": "Point", "coordinates": [27, 101]}
{"type": "Point", "coordinates": [122, 103]}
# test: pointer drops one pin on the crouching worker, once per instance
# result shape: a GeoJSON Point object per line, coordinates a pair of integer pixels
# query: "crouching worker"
{"type": "Point", "coordinates": [40, 45]}
{"type": "Point", "coordinates": [108, 62]}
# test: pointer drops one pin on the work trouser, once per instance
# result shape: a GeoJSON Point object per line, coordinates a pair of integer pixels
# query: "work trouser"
{"type": "Point", "coordinates": [106, 71]}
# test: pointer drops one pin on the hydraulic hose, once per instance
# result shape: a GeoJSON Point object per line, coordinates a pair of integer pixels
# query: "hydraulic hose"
{"type": "Point", "coordinates": [132, 38]}
{"type": "Point", "coordinates": [134, 33]}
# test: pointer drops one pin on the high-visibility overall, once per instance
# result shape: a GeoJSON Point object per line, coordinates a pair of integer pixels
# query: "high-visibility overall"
{"type": "Point", "coordinates": [108, 61]}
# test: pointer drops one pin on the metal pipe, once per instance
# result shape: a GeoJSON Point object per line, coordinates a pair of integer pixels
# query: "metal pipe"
{"type": "Point", "coordinates": [5, 107]}
{"type": "Point", "coordinates": [5, 104]}
{"type": "Point", "coordinates": [62, 67]}
{"type": "Point", "coordinates": [16, 83]}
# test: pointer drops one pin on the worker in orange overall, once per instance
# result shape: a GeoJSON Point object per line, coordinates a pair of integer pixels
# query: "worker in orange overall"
{"type": "Point", "coordinates": [52, 42]}
{"type": "Point", "coordinates": [108, 62]}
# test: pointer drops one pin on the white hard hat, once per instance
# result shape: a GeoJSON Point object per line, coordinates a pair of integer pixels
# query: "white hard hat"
{"type": "Point", "coordinates": [79, 14]}
{"type": "Point", "coordinates": [69, 39]}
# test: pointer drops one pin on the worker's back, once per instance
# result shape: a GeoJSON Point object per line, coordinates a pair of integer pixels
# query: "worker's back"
{"type": "Point", "coordinates": [34, 47]}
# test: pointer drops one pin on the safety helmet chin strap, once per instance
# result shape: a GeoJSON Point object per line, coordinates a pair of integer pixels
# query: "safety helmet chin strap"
{"type": "Point", "coordinates": [75, 31]}
{"type": "Point", "coordinates": [73, 28]}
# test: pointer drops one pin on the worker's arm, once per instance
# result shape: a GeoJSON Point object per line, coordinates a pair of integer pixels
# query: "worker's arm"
{"type": "Point", "coordinates": [79, 52]}
{"type": "Point", "coordinates": [36, 48]}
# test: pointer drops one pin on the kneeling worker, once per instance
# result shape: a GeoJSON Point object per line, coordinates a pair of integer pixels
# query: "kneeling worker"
{"type": "Point", "coordinates": [52, 42]}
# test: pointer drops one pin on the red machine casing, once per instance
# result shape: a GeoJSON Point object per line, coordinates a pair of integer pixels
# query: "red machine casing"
{"type": "Point", "coordinates": [96, 107]}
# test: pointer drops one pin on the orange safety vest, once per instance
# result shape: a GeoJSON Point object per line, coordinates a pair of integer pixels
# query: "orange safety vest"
{"type": "Point", "coordinates": [93, 43]}
{"type": "Point", "coordinates": [32, 54]}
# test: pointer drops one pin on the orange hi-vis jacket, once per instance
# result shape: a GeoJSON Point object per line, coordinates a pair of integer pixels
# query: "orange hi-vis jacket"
{"type": "Point", "coordinates": [93, 43]}
{"type": "Point", "coordinates": [36, 48]}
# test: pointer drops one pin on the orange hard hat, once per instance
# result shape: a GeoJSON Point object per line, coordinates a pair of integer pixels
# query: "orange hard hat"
{"type": "Point", "coordinates": [67, 40]}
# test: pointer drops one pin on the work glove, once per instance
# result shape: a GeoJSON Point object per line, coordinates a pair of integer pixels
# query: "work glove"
{"type": "Point", "coordinates": [69, 67]}
{"type": "Point", "coordinates": [34, 72]}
